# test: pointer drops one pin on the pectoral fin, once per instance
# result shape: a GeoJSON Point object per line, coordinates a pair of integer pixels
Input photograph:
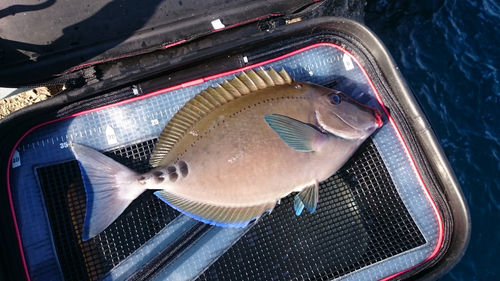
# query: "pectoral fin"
{"type": "Point", "coordinates": [307, 197]}
{"type": "Point", "coordinates": [297, 135]}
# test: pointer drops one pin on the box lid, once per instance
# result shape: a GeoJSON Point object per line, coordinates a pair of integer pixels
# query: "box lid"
{"type": "Point", "coordinates": [40, 41]}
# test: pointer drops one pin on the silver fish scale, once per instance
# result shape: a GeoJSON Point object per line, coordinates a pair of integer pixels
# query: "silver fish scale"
{"type": "Point", "coordinates": [143, 120]}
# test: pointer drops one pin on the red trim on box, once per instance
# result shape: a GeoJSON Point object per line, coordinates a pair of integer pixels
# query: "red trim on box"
{"type": "Point", "coordinates": [202, 80]}
{"type": "Point", "coordinates": [414, 167]}
{"type": "Point", "coordinates": [10, 194]}
{"type": "Point", "coordinates": [440, 220]}
{"type": "Point", "coordinates": [12, 211]}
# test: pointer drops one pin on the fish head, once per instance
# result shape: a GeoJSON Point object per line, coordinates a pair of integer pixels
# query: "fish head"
{"type": "Point", "coordinates": [338, 114]}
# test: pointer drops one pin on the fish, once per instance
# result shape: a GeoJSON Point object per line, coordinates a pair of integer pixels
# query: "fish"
{"type": "Point", "coordinates": [233, 151]}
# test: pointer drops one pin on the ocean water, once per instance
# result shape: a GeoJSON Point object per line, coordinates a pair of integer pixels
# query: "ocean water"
{"type": "Point", "coordinates": [449, 53]}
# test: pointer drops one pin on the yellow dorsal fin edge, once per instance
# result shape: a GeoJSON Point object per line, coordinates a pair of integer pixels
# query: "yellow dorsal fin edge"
{"type": "Point", "coordinates": [210, 99]}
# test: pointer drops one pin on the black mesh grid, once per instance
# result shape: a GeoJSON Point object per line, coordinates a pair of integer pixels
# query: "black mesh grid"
{"type": "Point", "coordinates": [360, 220]}
{"type": "Point", "coordinates": [64, 195]}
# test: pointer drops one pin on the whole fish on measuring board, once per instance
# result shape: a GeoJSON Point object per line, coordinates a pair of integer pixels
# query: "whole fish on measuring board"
{"type": "Point", "coordinates": [233, 151]}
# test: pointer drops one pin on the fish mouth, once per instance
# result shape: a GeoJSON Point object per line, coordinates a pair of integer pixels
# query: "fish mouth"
{"type": "Point", "coordinates": [355, 134]}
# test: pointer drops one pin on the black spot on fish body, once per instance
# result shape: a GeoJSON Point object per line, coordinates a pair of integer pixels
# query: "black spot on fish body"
{"type": "Point", "coordinates": [173, 177]}
{"type": "Point", "coordinates": [158, 174]}
{"type": "Point", "coordinates": [143, 179]}
{"type": "Point", "coordinates": [171, 169]}
{"type": "Point", "coordinates": [183, 167]}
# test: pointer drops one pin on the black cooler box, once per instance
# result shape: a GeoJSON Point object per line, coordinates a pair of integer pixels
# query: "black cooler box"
{"type": "Point", "coordinates": [393, 211]}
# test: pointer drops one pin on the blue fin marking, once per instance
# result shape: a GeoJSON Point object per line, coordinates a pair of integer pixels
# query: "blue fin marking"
{"type": "Point", "coordinates": [215, 215]}
{"type": "Point", "coordinates": [298, 205]}
{"type": "Point", "coordinates": [307, 197]}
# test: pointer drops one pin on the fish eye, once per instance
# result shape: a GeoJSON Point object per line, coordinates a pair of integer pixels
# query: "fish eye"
{"type": "Point", "coordinates": [334, 98]}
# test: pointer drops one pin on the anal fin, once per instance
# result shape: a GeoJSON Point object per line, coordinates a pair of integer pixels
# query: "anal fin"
{"type": "Point", "coordinates": [213, 214]}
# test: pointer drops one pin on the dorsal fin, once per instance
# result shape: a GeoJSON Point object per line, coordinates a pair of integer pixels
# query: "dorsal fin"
{"type": "Point", "coordinates": [209, 100]}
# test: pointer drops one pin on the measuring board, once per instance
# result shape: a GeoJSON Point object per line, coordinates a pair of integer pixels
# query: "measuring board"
{"type": "Point", "coordinates": [141, 121]}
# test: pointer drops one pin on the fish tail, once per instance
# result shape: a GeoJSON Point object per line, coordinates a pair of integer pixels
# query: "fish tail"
{"type": "Point", "coordinates": [110, 188]}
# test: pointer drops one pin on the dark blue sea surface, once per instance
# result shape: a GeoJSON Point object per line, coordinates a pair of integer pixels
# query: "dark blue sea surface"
{"type": "Point", "coordinates": [449, 53]}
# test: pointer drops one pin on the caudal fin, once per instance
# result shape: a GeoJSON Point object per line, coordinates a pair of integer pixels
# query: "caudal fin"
{"type": "Point", "coordinates": [110, 188]}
